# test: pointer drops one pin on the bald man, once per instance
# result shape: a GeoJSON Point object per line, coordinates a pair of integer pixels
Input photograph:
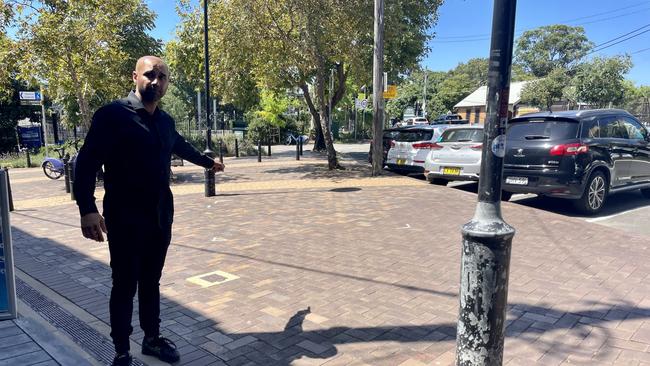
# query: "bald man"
{"type": "Point", "coordinates": [134, 140]}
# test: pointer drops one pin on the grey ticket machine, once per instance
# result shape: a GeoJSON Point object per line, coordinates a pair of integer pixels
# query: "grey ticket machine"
{"type": "Point", "coordinates": [7, 279]}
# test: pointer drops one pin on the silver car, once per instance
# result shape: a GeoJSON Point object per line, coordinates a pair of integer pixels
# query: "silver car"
{"type": "Point", "coordinates": [456, 155]}
{"type": "Point", "coordinates": [410, 146]}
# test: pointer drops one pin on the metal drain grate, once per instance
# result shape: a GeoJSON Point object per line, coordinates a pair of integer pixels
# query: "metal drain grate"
{"type": "Point", "coordinates": [100, 347]}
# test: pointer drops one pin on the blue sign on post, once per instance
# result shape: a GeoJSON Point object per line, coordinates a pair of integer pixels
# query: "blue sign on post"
{"type": "Point", "coordinates": [30, 137]}
{"type": "Point", "coordinates": [7, 280]}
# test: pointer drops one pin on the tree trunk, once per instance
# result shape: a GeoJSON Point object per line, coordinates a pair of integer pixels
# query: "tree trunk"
{"type": "Point", "coordinates": [321, 122]}
{"type": "Point", "coordinates": [332, 162]}
{"type": "Point", "coordinates": [319, 142]}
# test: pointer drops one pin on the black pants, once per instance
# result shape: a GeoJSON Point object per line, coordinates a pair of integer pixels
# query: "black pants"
{"type": "Point", "coordinates": [137, 259]}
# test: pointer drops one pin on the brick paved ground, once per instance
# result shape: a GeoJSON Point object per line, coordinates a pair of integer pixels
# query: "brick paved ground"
{"type": "Point", "coordinates": [293, 265]}
{"type": "Point", "coordinates": [18, 348]}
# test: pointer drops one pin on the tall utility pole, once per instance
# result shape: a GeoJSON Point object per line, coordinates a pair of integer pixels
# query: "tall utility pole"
{"type": "Point", "coordinates": [378, 90]}
{"type": "Point", "coordinates": [210, 189]}
{"type": "Point", "coordinates": [487, 239]}
{"type": "Point", "coordinates": [424, 99]}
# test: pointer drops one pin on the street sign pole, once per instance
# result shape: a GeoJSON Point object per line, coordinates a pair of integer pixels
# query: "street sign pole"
{"type": "Point", "coordinates": [44, 122]}
{"type": "Point", "coordinates": [487, 238]}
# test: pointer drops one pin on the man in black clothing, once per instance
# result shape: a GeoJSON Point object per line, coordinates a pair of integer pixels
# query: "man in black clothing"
{"type": "Point", "coordinates": [134, 141]}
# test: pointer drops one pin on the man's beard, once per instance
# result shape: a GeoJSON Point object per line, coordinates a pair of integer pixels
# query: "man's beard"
{"type": "Point", "coordinates": [149, 95]}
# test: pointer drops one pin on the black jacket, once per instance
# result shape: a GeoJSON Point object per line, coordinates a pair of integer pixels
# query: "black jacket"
{"type": "Point", "coordinates": [135, 149]}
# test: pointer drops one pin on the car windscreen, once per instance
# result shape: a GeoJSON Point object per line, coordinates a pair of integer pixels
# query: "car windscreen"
{"type": "Point", "coordinates": [462, 135]}
{"type": "Point", "coordinates": [414, 135]}
{"type": "Point", "coordinates": [542, 129]}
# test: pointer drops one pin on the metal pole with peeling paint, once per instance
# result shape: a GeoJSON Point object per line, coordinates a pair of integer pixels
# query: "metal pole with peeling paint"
{"type": "Point", "coordinates": [487, 239]}
{"type": "Point", "coordinates": [209, 186]}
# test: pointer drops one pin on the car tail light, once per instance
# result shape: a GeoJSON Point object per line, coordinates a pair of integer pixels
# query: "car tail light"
{"type": "Point", "coordinates": [568, 149]}
{"type": "Point", "coordinates": [477, 147]}
{"type": "Point", "coordinates": [427, 145]}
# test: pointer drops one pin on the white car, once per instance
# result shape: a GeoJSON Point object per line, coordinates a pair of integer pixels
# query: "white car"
{"type": "Point", "coordinates": [456, 155]}
{"type": "Point", "coordinates": [414, 121]}
{"type": "Point", "coordinates": [410, 146]}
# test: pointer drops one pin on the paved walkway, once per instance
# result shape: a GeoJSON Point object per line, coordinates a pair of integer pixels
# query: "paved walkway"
{"type": "Point", "coordinates": [294, 265]}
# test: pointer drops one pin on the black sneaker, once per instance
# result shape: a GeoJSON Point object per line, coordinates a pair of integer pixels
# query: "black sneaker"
{"type": "Point", "coordinates": [122, 359]}
{"type": "Point", "coordinates": [162, 348]}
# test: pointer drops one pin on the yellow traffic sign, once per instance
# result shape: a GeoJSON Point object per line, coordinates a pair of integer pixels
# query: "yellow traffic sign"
{"type": "Point", "coordinates": [391, 93]}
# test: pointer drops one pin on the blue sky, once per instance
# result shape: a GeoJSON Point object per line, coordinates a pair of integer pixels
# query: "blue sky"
{"type": "Point", "coordinates": [464, 26]}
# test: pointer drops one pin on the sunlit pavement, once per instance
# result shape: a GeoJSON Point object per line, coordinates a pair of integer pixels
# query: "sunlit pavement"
{"type": "Point", "coordinates": [291, 264]}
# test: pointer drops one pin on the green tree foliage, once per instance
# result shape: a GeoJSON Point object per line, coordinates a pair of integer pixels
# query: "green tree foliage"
{"type": "Point", "coordinates": [476, 70]}
{"type": "Point", "coordinates": [288, 43]}
{"type": "Point", "coordinates": [601, 80]}
{"type": "Point", "coordinates": [444, 89]}
{"type": "Point", "coordinates": [273, 106]}
{"type": "Point", "coordinates": [544, 92]}
{"type": "Point", "coordinates": [179, 103]}
{"type": "Point", "coordinates": [8, 67]}
{"type": "Point", "coordinates": [541, 50]}
{"type": "Point", "coordinates": [411, 91]}
{"type": "Point", "coordinates": [83, 50]}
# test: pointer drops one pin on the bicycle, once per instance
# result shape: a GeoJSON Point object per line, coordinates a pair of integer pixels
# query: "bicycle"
{"type": "Point", "coordinates": [293, 140]}
{"type": "Point", "coordinates": [54, 168]}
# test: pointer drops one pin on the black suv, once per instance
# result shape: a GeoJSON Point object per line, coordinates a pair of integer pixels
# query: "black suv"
{"type": "Point", "coordinates": [579, 155]}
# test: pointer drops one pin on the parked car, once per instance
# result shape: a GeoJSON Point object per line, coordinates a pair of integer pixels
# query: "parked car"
{"type": "Point", "coordinates": [411, 146]}
{"type": "Point", "coordinates": [414, 121]}
{"type": "Point", "coordinates": [580, 155]}
{"type": "Point", "coordinates": [449, 119]}
{"type": "Point", "coordinates": [456, 155]}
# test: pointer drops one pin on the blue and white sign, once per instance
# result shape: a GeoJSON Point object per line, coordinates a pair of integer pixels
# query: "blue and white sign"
{"type": "Point", "coordinates": [30, 95]}
{"type": "Point", "coordinates": [30, 137]}
{"type": "Point", "coordinates": [7, 280]}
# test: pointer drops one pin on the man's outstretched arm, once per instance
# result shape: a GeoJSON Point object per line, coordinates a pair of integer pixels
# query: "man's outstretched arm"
{"type": "Point", "coordinates": [186, 151]}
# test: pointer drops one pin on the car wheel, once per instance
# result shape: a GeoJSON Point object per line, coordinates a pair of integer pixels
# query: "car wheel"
{"type": "Point", "coordinates": [593, 198]}
{"type": "Point", "coordinates": [438, 181]}
{"type": "Point", "coordinates": [645, 192]}
{"type": "Point", "coordinates": [505, 196]}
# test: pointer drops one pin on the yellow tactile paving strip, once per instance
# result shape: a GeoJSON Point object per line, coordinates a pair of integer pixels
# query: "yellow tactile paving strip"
{"type": "Point", "coordinates": [29, 180]}
{"type": "Point", "coordinates": [271, 185]}
{"type": "Point", "coordinates": [247, 164]}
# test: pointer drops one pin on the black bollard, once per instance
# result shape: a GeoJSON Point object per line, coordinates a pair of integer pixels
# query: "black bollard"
{"type": "Point", "coordinates": [66, 173]}
{"type": "Point", "coordinates": [298, 149]}
{"type": "Point", "coordinates": [221, 151]}
{"type": "Point", "coordinates": [300, 142]}
{"type": "Point", "coordinates": [29, 160]}
{"type": "Point", "coordinates": [269, 149]}
{"type": "Point", "coordinates": [236, 148]}
{"type": "Point", "coordinates": [71, 168]}
{"type": "Point", "coordinates": [11, 199]}
{"type": "Point", "coordinates": [259, 150]}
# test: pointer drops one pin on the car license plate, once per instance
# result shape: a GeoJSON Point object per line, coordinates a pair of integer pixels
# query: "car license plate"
{"type": "Point", "coordinates": [451, 171]}
{"type": "Point", "coordinates": [401, 161]}
{"type": "Point", "coordinates": [520, 181]}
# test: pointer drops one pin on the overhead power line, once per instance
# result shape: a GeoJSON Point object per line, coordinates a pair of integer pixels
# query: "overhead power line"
{"type": "Point", "coordinates": [615, 43]}
{"type": "Point", "coordinates": [485, 36]}
{"type": "Point", "coordinates": [621, 36]}
{"type": "Point", "coordinates": [639, 51]}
